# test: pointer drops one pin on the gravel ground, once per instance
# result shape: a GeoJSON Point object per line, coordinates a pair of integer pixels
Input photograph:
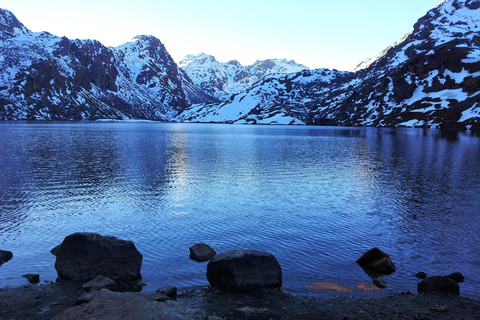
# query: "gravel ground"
{"type": "Point", "coordinates": [47, 300]}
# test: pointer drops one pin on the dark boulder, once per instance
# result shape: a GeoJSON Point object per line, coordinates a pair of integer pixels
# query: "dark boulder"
{"type": "Point", "coordinates": [84, 256]}
{"type": "Point", "coordinates": [244, 270]}
{"type": "Point", "coordinates": [375, 261]}
{"type": "Point", "coordinates": [438, 284]}
{"type": "Point", "coordinates": [457, 277]}
{"type": "Point", "coordinates": [421, 275]}
{"type": "Point", "coordinates": [33, 278]}
{"type": "Point", "coordinates": [201, 252]}
{"type": "Point", "coordinates": [5, 256]}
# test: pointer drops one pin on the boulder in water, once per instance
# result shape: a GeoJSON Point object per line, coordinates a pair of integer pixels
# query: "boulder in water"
{"type": "Point", "coordinates": [244, 270]}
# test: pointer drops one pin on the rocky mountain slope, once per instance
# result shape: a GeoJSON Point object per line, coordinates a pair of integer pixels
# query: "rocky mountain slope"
{"type": "Point", "coordinates": [431, 78]}
{"type": "Point", "coordinates": [222, 80]}
{"type": "Point", "coordinates": [47, 77]}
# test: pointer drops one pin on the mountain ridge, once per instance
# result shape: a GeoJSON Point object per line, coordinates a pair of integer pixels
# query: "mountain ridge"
{"type": "Point", "coordinates": [54, 78]}
{"type": "Point", "coordinates": [430, 78]}
{"type": "Point", "coordinates": [223, 79]}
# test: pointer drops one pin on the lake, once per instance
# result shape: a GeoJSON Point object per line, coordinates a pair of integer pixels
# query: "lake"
{"type": "Point", "coordinates": [315, 197]}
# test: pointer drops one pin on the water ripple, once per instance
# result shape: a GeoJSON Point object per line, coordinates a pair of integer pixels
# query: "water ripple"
{"type": "Point", "coordinates": [316, 198]}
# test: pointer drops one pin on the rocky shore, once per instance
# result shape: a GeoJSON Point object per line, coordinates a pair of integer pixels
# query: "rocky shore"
{"type": "Point", "coordinates": [49, 301]}
{"type": "Point", "coordinates": [99, 278]}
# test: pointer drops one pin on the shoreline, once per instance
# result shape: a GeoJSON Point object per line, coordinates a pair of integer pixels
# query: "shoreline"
{"type": "Point", "coordinates": [45, 301]}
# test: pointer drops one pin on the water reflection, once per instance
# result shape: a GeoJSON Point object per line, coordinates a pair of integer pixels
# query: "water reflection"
{"type": "Point", "coordinates": [315, 197]}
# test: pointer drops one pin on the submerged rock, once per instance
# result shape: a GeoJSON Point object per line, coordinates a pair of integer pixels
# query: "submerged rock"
{"type": "Point", "coordinates": [438, 284]}
{"type": "Point", "coordinates": [84, 256]}
{"type": "Point", "coordinates": [421, 275]}
{"type": "Point", "coordinates": [380, 283]}
{"type": "Point", "coordinates": [244, 270]}
{"type": "Point", "coordinates": [5, 256]}
{"type": "Point", "coordinates": [201, 252]}
{"type": "Point", "coordinates": [376, 261]}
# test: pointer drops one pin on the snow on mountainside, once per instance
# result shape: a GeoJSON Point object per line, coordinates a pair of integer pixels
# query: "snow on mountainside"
{"type": "Point", "coordinates": [222, 79]}
{"type": "Point", "coordinates": [431, 78]}
{"type": "Point", "coordinates": [269, 101]}
{"type": "Point", "coordinates": [47, 77]}
{"type": "Point", "coordinates": [10, 26]}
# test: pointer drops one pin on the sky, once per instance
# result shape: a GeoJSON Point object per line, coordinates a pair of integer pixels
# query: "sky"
{"type": "Point", "coordinates": [333, 34]}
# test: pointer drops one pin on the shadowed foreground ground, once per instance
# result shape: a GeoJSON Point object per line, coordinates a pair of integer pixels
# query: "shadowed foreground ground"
{"type": "Point", "coordinates": [47, 300]}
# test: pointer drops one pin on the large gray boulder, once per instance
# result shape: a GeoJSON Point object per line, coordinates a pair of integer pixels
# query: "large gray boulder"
{"type": "Point", "coordinates": [5, 256]}
{"type": "Point", "coordinates": [108, 305]}
{"type": "Point", "coordinates": [376, 262]}
{"type": "Point", "coordinates": [244, 270]}
{"type": "Point", "coordinates": [84, 256]}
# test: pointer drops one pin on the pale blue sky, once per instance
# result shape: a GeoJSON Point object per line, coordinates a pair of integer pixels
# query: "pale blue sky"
{"type": "Point", "coordinates": [320, 34]}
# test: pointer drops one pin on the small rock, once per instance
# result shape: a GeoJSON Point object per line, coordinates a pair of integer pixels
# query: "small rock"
{"type": "Point", "coordinates": [99, 283]}
{"type": "Point", "coordinates": [5, 256]}
{"type": "Point", "coordinates": [421, 275]}
{"type": "Point", "coordinates": [32, 278]}
{"type": "Point", "coordinates": [159, 297]}
{"type": "Point", "coordinates": [201, 252]}
{"type": "Point", "coordinates": [419, 316]}
{"type": "Point", "coordinates": [440, 309]}
{"type": "Point", "coordinates": [256, 313]}
{"type": "Point", "coordinates": [376, 261]}
{"type": "Point", "coordinates": [457, 277]}
{"type": "Point", "coordinates": [169, 291]}
{"type": "Point", "coordinates": [84, 298]}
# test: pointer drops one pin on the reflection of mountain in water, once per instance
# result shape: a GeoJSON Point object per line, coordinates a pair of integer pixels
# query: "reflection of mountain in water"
{"type": "Point", "coordinates": [316, 197]}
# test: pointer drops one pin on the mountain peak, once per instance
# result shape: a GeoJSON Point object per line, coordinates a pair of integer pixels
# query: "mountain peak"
{"type": "Point", "coordinates": [197, 58]}
{"type": "Point", "coordinates": [147, 38]}
{"type": "Point", "coordinates": [222, 79]}
{"type": "Point", "coordinates": [10, 26]}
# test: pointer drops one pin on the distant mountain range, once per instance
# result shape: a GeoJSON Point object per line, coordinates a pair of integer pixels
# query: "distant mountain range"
{"type": "Point", "coordinates": [430, 79]}
{"type": "Point", "coordinates": [222, 80]}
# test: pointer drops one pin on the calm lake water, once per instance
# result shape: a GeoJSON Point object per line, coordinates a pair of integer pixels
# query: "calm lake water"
{"type": "Point", "coordinates": [315, 197]}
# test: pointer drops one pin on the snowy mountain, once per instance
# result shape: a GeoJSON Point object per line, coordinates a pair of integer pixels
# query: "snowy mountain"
{"type": "Point", "coordinates": [47, 77]}
{"type": "Point", "coordinates": [222, 79]}
{"type": "Point", "coordinates": [10, 26]}
{"type": "Point", "coordinates": [431, 78]}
